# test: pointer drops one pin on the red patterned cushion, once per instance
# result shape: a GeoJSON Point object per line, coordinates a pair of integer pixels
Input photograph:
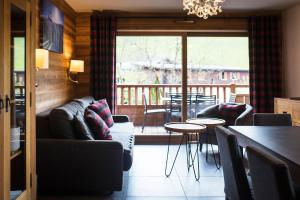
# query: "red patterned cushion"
{"type": "Point", "coordinates": [101, 108]}
{"type": "Point", "coordinates": [230, 112]}
{"type": "Point", "coordinates": [97, 125]}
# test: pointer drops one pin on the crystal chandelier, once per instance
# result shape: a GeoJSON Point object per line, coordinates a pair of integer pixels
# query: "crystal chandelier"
{"type": "Point", "coordinates": [203, 8]}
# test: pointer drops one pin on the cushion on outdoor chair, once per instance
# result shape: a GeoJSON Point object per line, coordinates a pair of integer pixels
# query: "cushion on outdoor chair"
{"type": "Point", "coordinates": [230, 112]}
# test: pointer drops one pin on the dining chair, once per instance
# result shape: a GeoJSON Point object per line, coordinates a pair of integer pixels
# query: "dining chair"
{"type": "Point", "coordinates": [151, 111]}
{"type": "Point", "coordinates": [237, 186]}
{"type": "Point", "coordinates": [270, 119]}
{"type": "Point", "coordinates": [270, 176]}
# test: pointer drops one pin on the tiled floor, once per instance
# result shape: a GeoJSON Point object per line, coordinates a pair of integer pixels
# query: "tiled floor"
{"type": "Point", "coordinates": [148, 182]}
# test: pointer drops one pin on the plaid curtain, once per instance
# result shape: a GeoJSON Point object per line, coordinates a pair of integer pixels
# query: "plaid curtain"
{"type": "Point", "coordinates": [265, 48]}
{"type": "Point", "coordinates": [103, 57]}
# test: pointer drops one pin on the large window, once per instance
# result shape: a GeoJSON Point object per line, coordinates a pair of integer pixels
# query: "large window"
{"type": "Point", "coordinates": [153, 65]}
{"type": "Point", "coordinates": [218, 61]}
{"type": "Point", "coordinates": [148, 59]}
{"type": "Point", "coordinates": [147, 62]}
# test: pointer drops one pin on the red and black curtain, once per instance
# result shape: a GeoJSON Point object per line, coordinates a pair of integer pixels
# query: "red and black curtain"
{"type": "Point", "coordinates": [103, 57]}
{"type": "Point", "coordinates": [265, 48]}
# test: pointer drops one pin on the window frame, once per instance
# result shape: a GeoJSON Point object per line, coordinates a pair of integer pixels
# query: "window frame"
{"type": "Point", "coordinates": [184, 35]}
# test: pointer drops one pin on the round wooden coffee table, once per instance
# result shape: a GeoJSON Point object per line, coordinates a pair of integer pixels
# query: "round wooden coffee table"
{"type": "Point", "coordinates": [190, 134]}
{"type": "Point", "coordinates": [210, 123]}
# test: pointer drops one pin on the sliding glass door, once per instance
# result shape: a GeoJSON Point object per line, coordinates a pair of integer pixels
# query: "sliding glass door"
{"type": "Point", "coordinates": [218, 67]}
{"type": "Point", "coordinates": [149, 70]}
{"type": "Point", "coordinates": [187, 64]}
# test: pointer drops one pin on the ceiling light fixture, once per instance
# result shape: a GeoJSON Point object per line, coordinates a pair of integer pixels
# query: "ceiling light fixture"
{"type": "Point", "coordinates": [203, 8]}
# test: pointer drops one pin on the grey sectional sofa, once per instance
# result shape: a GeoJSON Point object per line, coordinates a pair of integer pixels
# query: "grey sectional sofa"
{"type": "Point", "coordinates": [67, 164]}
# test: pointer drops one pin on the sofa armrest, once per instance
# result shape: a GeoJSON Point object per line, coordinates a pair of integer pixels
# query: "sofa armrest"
{"type": "Point", "coordinates": [120, 118]}
{"type": "Point", "coordinates": [77, 165]}
{"type": "Point", "coordinates": [211, 111]}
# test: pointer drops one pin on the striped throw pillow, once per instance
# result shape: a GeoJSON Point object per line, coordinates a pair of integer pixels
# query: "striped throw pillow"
{"type": "Point", "coordinates": [97, 125]}
{"type": "Point", "coordinates": [102, 109]}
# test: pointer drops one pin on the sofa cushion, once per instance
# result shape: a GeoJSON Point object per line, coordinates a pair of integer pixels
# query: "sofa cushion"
{"type": "Point", "coordinates": [61, 120]}
{"type": "Point", "coordinates": [102, 109]}
{"type": "Point", "coordinates": [123, 133]}
{"type": "Point", "coordinates": [81, 128]}
{"type": "Point", "coordinates": [230, 112]}
{"type": "Point", "coordinates": [97, 125]}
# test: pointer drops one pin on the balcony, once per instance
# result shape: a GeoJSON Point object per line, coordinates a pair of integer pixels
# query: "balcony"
{"type": "Point", "coordinates": [130, 99]}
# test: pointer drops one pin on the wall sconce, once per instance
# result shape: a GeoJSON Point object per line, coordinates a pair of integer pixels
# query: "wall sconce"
{"type": "Point", "coordinates": [76, 66]}
{"type": "Point", "coordinates": [41, 60]}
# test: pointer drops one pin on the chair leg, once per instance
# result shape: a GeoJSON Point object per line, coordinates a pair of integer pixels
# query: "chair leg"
{"type": "Point", "coordinates": [145, 119]}
{"type": "Point", "coordinates": [201, 145]}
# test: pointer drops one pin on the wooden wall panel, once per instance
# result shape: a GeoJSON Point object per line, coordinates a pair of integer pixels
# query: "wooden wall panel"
{"type": "Point", "coordinates": [53, 86]}
{"type": "Point", "coordinates": [171, 25]}
{"type": "Point", "coordinates": [82, 46]}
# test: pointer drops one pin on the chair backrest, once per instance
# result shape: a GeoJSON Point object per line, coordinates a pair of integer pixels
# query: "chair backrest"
{"type": "Point", "coordinates": [203, 101]}
{"type": "Point", "coordinates": [270, 176]}
{"type": "Point", "coordinates": [175, 102]}
{"type": "Point", "coordinates": [270, 119]}
{"type": "Point", "coordinates": [145, 102]}
{"type": "Point", "coordinates": [236, 182]}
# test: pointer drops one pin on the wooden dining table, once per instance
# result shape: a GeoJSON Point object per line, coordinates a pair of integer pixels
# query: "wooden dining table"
{"type": "Point", "coordinates": [280, 141]}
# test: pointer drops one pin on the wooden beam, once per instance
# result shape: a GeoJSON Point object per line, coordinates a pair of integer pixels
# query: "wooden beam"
{"type": "Point", "coordinates": [184, 81]}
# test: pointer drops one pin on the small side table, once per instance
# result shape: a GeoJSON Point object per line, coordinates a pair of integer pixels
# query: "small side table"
{"type": "Point", "coordinates": [189, 132]}
{"type": "Point", "coordinates": [210, 123]}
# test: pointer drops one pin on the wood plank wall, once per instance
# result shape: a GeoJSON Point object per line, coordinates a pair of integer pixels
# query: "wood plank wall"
{"type": "Point", "coordinates": [82, 46]}
{"type": "Point", "coordinates": [54, 88]}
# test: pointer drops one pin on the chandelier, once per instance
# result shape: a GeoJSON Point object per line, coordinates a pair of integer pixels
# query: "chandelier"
{"type": "Point", "coordinates": [203, 8]}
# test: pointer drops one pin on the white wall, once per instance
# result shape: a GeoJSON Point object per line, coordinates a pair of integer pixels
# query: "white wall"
{"type": "Point", "coordinates": [291, 51]}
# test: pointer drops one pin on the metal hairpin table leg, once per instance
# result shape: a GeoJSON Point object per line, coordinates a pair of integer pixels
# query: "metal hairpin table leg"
{"type": "Point", "coordinates": [195, 156]}
{"type": "Point", "coordinates": [191, 157]}
{"type": "Point", "coordinates": [169, 142]}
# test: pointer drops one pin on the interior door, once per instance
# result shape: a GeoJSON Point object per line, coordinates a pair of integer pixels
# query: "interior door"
{"type": "Point", "coordinates": [15, 73]}
{"type": "Point", "coordinates": [20, 100]}
{"type": "Point", "coordinates": [4, 90]}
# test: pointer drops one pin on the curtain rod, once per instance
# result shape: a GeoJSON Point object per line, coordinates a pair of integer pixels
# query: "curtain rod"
{"type": "Point", "coordinates": [151, 15]}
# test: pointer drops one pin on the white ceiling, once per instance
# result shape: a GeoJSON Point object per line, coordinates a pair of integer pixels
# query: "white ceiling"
{"type": "Point", "coordinates": [173, 5]}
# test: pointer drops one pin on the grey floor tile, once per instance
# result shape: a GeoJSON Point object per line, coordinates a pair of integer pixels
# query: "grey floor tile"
{"type": "Point", "coordinates": [154, 187]}
{"type": "Point", "coordinates": [149, 161]}
{"type": "Point", "coordinates": [206, 187]}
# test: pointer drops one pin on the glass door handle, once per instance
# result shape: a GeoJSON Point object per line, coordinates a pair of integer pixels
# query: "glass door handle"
{"type": "Point", "coordinates": [7, 103]}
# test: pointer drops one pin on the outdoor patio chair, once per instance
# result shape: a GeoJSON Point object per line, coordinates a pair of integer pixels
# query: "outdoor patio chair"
{"type": "Point", "coordinates": [151, 111]}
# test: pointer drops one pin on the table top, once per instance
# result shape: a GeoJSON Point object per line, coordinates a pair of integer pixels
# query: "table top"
{"type": "Point", "coordinates": [282, 140]}
{"type": "Point", "coordinates": [207, 121]}
{"type": "Point", "coordinates": [183, 127]}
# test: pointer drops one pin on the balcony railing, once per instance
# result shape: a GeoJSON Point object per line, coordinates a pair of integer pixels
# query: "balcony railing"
{"type": "Point", "coordinates": [131, 94]}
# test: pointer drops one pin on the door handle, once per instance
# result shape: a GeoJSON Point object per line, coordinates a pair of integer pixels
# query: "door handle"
{"type": "Point", "coordinates": [7, 103]}
{"type": "Point", "coordinates": [1, 104]}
